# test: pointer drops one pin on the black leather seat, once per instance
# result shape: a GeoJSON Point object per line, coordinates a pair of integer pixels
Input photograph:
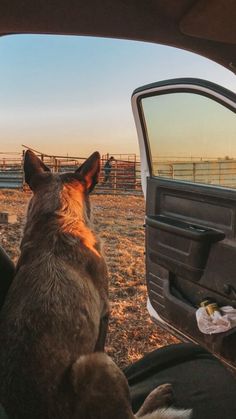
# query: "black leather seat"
{"type": "Point", "coordinates": [199, 380]}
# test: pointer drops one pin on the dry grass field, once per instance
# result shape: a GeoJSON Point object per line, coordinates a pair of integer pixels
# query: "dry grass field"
{"type": "Point", "coordinates": [119, 221]}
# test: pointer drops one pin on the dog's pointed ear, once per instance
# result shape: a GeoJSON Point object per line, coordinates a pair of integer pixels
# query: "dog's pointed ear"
{"type": "Point", "coordinates": [90, 170]}
{"type": "Point", "coordinates": [33, 167]}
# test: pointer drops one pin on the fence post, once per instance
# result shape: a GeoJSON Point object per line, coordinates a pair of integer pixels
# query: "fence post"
{"type": "Point", "coordinates": [194, 172]}
{"type": "Point", "coordinates": [56, 165]}
{"type": "Point", "coordinates": [115, 178]}
{"type": "Point", "coordinates": [22, 170]}
{"type": "Point", "coordinates": [220, 174]}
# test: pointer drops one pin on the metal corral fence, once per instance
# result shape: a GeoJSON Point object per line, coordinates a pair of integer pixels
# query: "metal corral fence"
{"type": "Point", "coordinates": [212, 171]}
{"type": "Point", "coordinates": [11, 170]}
{"type": "Point", "coordinates": [124, 176]}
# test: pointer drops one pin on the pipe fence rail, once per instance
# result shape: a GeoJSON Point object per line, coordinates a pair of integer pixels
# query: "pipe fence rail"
{"type": "Point", "coordinates": [220, 172]}
{"type": "Point", "coordinates": [124, 176]}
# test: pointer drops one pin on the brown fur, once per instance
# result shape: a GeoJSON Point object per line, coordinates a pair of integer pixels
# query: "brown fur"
{"type": "Point", "coordinates": [101, 392]}
{"type": "Point", "coordinates": [57, 306]}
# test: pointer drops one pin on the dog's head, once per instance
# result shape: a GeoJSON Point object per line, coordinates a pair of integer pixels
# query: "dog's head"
{"type": "Point", "coordinates": [66, 192]}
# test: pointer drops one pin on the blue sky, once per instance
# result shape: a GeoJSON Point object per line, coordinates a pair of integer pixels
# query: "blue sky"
{"type": "Point", "coordinates": [64, 94]}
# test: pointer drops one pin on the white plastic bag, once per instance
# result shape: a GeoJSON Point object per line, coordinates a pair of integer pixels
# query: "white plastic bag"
{"type": "Point", "coordinates": [217, 322]}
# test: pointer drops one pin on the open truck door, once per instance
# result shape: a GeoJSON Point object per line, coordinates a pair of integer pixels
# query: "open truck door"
{"type": "Point", "coordinates": [187, 137]}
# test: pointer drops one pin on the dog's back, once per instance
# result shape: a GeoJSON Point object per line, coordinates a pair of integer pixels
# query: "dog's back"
{"type": "Point", "coordinates": [55, 306]}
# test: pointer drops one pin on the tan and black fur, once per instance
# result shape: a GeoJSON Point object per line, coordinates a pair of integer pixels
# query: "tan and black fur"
{"type": "Point", "coordinates": [57, 306]}
{"type": "Point", "coordinates": [100, 391]}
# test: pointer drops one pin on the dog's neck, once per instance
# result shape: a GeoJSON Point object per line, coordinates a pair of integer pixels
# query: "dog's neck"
{"type": "Point", "coordinates": [73, 218]}
{"type": "Point", "coordinates": [68, 224]}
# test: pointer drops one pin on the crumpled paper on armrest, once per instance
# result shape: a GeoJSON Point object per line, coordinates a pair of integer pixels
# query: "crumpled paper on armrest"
{"type": "Point", "coordinates": [216, 322]}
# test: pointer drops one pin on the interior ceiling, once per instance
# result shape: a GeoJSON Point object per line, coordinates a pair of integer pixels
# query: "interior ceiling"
{"type": "Point", "coordinates": [206, 27]}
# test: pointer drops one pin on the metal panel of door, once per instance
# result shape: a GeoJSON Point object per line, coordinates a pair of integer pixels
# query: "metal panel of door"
{"type": "Point", "coordinates": [190, 204]}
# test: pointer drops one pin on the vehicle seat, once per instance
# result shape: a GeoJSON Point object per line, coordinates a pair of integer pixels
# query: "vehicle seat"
{"type": "Point", "coordinates": [199, 380]}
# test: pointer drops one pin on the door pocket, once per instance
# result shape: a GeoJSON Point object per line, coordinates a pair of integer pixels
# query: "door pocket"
{"type": "Point", "coordinates": [182, 315]}
{"type": "Point", "coordinates": [179, 246]}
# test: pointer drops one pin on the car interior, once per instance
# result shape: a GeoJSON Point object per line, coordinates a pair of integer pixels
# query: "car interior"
{"type": "Point", "coordinates": [190, 218]}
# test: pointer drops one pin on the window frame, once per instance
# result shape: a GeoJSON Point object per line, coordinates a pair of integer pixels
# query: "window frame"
{"type": "Point", "coordinates": [186, 85]}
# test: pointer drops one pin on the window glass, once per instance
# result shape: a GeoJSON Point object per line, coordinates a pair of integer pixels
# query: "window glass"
{"type": "Point", "coordinates": [191, 137]}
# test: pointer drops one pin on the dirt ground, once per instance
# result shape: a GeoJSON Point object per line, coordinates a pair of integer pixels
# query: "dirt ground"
{"type": "Point", "coordinates": [119, 221]}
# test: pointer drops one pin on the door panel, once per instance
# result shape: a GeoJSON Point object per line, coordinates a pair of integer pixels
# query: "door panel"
{"type": "Point", "coordinates": [190, 223]}
{"type": "Point", "coordinates": [192, 257]}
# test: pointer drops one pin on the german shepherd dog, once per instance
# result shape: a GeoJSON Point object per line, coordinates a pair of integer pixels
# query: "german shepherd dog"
{"type": "Point", "coordinates": [57, 306]}
{"type": "Point", "coordinates": [106, 394]}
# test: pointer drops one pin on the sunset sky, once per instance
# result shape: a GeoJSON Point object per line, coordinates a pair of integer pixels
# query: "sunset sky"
{"type": "Point", "coordinates": [71, 95]}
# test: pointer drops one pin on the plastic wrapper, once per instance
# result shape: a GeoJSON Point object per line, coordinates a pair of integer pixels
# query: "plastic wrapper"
{"type": "Point", "coordinates": [218, 322]}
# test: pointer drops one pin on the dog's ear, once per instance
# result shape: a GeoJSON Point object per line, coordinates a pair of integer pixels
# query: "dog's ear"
{"type": "Point", "coordinates": [33, 168]}
{"type": "Point", "coordinates": [90, 170]}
